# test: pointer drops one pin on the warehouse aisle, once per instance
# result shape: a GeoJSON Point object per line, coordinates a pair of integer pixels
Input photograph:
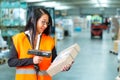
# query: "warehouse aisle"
{"type": "Point", "coordinates": [94, 62]}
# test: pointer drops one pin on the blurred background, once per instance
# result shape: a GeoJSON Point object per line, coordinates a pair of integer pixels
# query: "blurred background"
{"type": "Point", "coordinates": [93, 24]}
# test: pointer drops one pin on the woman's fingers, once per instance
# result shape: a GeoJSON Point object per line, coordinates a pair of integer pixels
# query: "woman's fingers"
{"type": "Point", "coordinates": [37, 59]}
{"type": "Point", "coordinates": [67, 67]}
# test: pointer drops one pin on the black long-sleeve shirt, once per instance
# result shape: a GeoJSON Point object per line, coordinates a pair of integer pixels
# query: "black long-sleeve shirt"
{"type": "Point", "coordinates": [13, 61]}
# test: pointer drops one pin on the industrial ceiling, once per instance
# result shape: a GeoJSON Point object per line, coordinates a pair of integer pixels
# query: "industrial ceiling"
{"type": "Point", "coordinates": [68, 4]}
{"type": "Point", "coordinates": [106, 7]}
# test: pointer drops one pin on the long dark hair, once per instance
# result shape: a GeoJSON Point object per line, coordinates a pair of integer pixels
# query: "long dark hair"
{"type": "Point", "coordinates": [32, 22]}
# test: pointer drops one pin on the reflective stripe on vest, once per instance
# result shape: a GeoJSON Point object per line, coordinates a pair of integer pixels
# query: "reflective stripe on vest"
{"type": "Point", "coordinates": [30, 71]}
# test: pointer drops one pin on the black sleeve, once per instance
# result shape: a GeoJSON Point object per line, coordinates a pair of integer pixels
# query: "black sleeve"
{"type": "Point", "coordinates": [13, 60]}
{"type": "Point", "coordinates": [54, 53]}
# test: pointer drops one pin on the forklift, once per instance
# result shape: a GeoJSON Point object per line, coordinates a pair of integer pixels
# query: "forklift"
{"type": "Point", "coordinates": [96, 30]}
{"type": "Point", "coordinates": [96, 27]}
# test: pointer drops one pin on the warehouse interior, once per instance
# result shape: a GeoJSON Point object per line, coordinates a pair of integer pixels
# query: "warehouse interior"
{"type": "Point", "coordinates": [93, 24]}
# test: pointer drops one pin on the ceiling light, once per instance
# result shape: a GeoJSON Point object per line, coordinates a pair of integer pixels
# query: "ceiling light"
{"type": "Point", "coordinates": [104, 5]}
{"type": "Point", "coordinates": [62, 7]}
{"type": "Point", "coordinates": [48, 4]}
{"type": "Point", "coordinates": [103, 1]}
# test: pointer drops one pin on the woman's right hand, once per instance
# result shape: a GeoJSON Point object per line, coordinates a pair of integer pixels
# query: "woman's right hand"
{"type": "Point", "coordinates": [37, 59]}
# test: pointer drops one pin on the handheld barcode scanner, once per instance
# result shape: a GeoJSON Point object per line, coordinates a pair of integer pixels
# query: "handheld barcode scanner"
{"type": "Point", "coordinates": [39, 53]}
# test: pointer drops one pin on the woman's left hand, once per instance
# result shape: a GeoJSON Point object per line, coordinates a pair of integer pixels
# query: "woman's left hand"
{"type": "Point", "coordinates": [67, 67]}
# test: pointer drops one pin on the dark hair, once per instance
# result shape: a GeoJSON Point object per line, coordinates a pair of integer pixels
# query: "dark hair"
{"type": "Point", "coordinates": [32, 21]}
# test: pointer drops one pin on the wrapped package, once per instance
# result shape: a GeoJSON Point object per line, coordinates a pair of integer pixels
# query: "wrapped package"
{"type": "Point", "coordinates": [65, 57]}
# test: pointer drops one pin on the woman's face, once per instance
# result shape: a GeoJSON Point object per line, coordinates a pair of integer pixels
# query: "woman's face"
{"type": "Point", "coordinates": [42, 23]}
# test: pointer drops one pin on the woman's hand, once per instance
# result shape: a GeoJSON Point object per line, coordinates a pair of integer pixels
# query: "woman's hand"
{"type": "Point", "coordinates": [67, 67]}
{"type": "Point", "coordinates": [37, 59]}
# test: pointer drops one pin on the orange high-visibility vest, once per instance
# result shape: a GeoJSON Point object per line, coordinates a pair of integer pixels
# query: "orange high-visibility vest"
{"type": "Point", "coordinates": [22, 46]}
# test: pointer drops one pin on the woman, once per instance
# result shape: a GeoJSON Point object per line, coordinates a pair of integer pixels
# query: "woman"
{"type": "Point", "coordinates": [32, 67]}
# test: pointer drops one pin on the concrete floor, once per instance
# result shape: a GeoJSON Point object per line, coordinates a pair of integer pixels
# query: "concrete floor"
{"type": "Point", "coordinates": [94, 62]}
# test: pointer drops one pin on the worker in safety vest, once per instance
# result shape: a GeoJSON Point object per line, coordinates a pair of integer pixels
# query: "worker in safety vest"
{"type": "Point", "coordinates": [37, 28]}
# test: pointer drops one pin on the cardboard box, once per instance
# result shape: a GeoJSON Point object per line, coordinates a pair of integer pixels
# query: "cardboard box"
{"type": "Point", "coordinates": [65, 57]}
